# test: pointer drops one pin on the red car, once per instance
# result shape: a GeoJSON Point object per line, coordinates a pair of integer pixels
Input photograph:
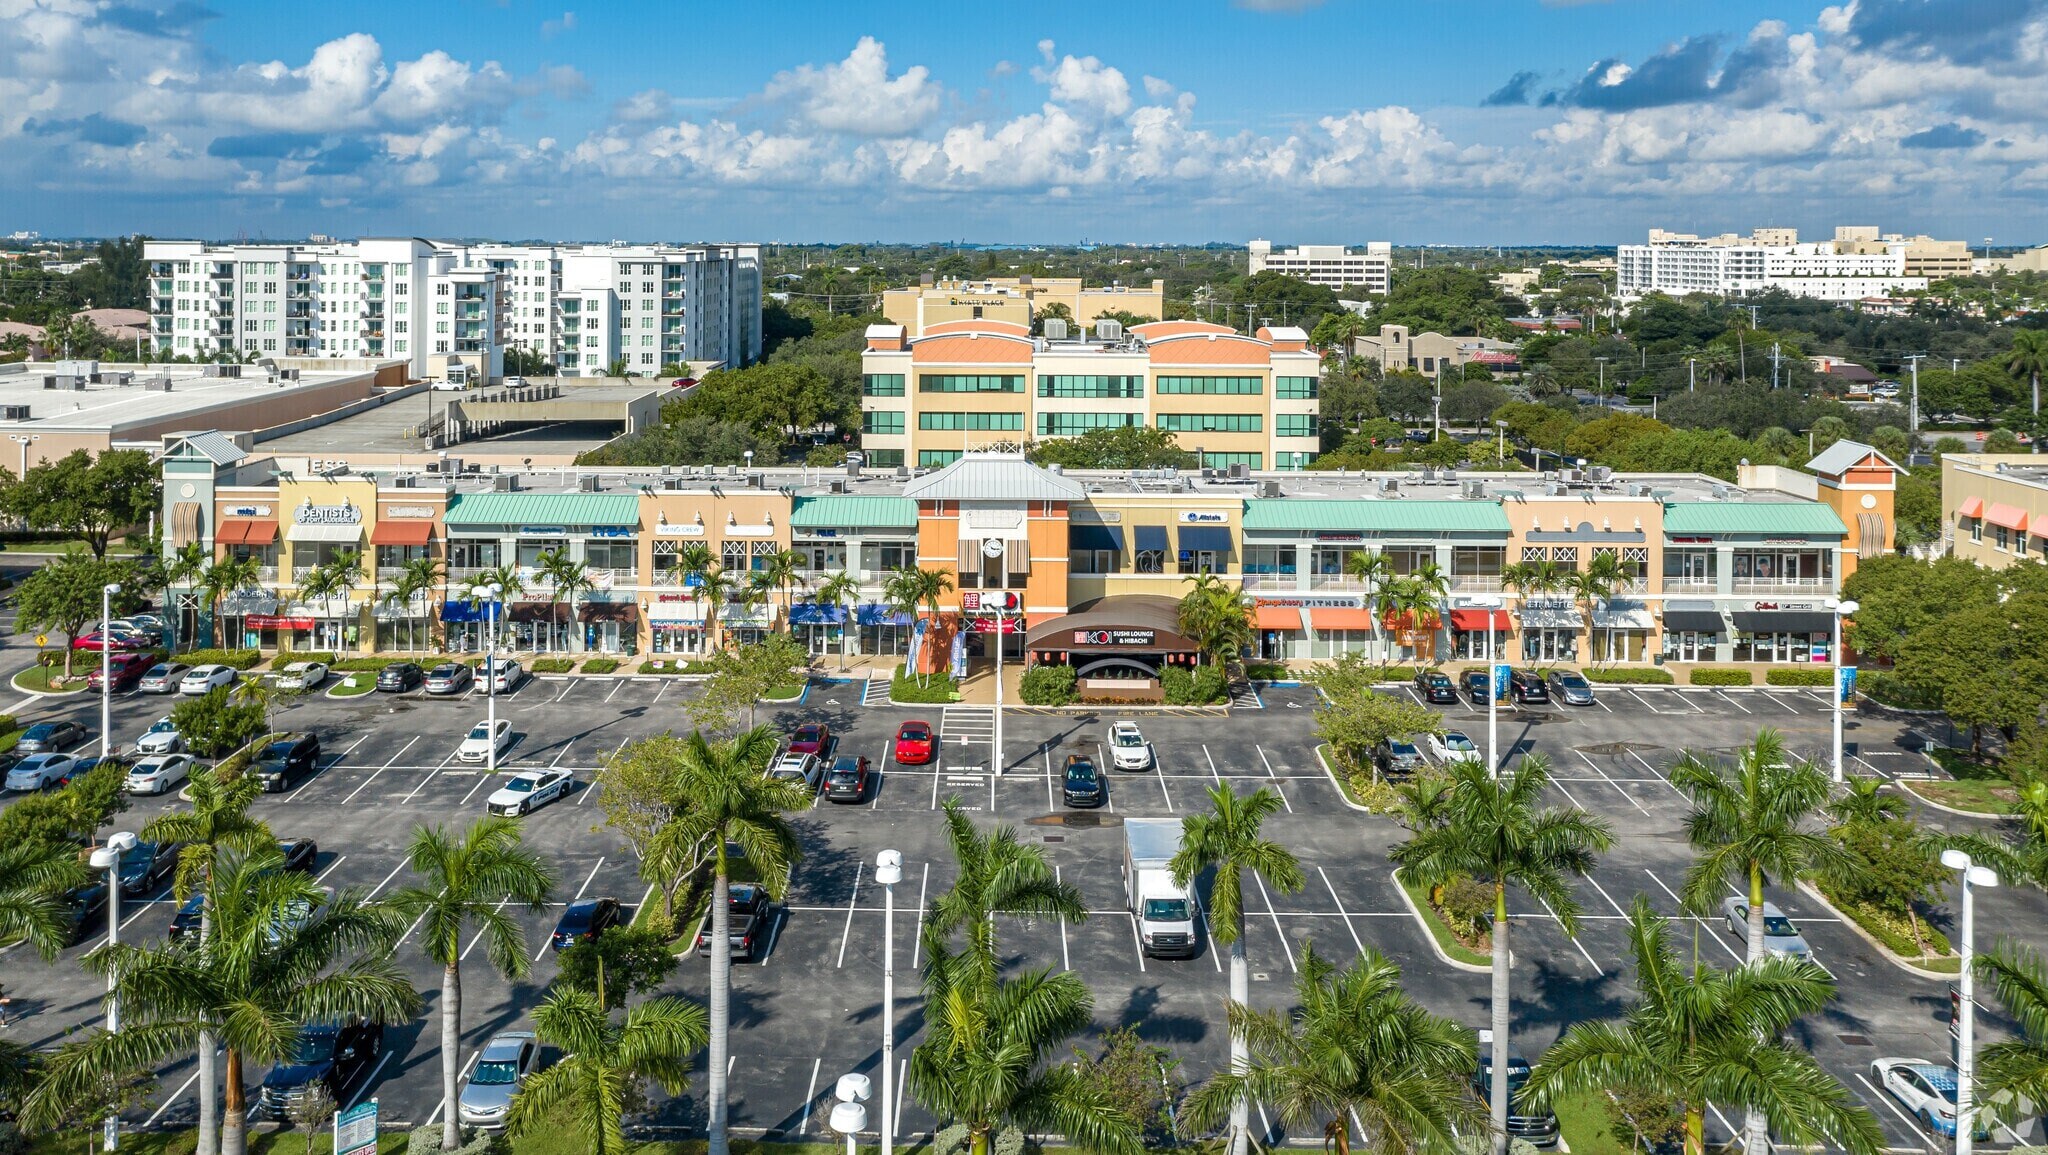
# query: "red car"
{"type": "Point", "coordinates": [127, 669]}
{"type": "Point", "coordinates": [117, 642]}
{"type": "Point", "coordinates": [811, 738]}
{"type": "Point", "coordinates": [915, 743]}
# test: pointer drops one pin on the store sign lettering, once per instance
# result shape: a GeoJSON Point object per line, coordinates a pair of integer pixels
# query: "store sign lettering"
{"type": "Point", "coordinates": [1203, 517]}
{"type": "Point", "coordinates": [248, 511]}
{"type": "Point", "coordinates": [611, 531]}
{"type": "Point", "coordinates": [542, 530]}
{"type": "Point", "coordinates": [408, 511]}
{"type": "Point", "coordinates": [1783, 605]}
{"type": "Point", "coordinates": [1306, 602]}
{"type": "Point", "coordinates": [671, 598]}
{"type": "Point", "coordinates": [1339, 535]}
{"type": "Point", "coordinates": [1113, 637]}
{"type": "Point", "coordinates": [328, 515]}
{"type": "Point", "coordinates": [678, 529]}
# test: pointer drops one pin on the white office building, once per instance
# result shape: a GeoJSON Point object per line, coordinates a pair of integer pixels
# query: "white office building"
{"type": "Point", "coordinates": [1331, 266]}
{"type": "Point", "coordinates": [451, 310]}
{"type": "Point", "coordinates": [1678, 264]}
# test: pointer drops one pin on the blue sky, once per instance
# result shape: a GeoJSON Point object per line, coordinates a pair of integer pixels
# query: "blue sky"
{"type": "Point", "coordinates": [1512, 121]}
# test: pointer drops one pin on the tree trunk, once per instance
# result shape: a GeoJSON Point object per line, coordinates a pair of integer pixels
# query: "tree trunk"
{"type": "Point", "coordinates": [1695, 1131]}
{"type": "Point", "coordinates": [209, 1079]}
{"type": "Point", "coordinates": [234, 1116]}
{"type": "Point", "coordinates": [451, 1052]}
{"type": "Point", "coordinates": [977, 1138]}
{"type": "Point", "coordinates": [721, 994]}
{"type": "Point", "coordinates": [1497, 1093]}
{"type": "Point", "coordinates": [1240, 1054]}
{"type": "Point", "coordinates": [1755, 1128]}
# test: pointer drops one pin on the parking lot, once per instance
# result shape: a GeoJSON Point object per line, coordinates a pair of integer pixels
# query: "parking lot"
{"type": "Point", "coordinates": [809, 1010]}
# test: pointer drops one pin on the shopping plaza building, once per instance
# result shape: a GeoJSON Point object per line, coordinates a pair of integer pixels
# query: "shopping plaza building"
{"type": "Point", "coordinates": [1093, 561]}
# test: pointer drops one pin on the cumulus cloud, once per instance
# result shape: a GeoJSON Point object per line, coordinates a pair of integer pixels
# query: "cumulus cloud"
{"type": "Point", "coordinates": [1517, 90]}
{"type": "Point", "coordinates": [1944, 136]}
{"type": "Point", "coordinates": [1088, 82]}
{"type": "Point", "coordinates": [857, 95]}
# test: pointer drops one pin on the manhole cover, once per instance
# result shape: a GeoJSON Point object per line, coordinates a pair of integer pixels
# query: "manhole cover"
{"type": "Point", "coordinates": [1075, 820]}
{"type": "Point", "coordinates": [1055, 838]}
{"type": "Point", "coordinates": [1259, 976]}
{"type": "Point", "coordinates": [1854, 1040]}
{"type": "Point", "coordinates": [1617, 749]}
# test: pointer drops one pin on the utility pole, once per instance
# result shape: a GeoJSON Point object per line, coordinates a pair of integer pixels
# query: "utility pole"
{"type": "Point", "coordinates": [1603, 378]}
{"type": "Point", "coordinates": [1774, 364]}
{"type": "Point", "coordinates": [1913, 407]}
{"type": "Point", "coordinates": [1691, 373]}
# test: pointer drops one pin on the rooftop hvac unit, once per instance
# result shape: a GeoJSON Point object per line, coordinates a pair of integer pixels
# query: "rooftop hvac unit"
{"type": "Point", "coordinates": [838, 485]}
{"type": "Point", "coordinates": [231, 371]}
{"type": "Point", "coordinates": [1240, 472]}
{"type": "Point", "coordinates": [160, 385]}
{"type": "Point", "coordinates": [903, 473]}
{"type": "Point", "coordinates": [1720, 493]}
{"type": "Point", "coordinates": [587, 483]}
{"type": "Point", "coordinates": [504, 483]}
{"type": "Point", "coordinates": [1429, 473]}
{"type": "Point", "coordinates": [1553, 488]}
{"type": "Point", "coordinates": [13, 413]}
{"type": "Point", "coordinates": [1268, 487]}
{"type": "Point", "coordinates": [403, 481]}
{"type": "Point", "coordinates": [1109, 330]}
{"type": "Point", "coordinates": [1055, 329]}
{"type": "Point", "coordinates": [77, 368]}
{"type": "Point", "coordinates": [853, 463]}
{"type": "Point", "coordinates": [1056, 468]}
{"type": "Point", "coordinates": [755, 481]}
{"type": "Point", "coordinates": [1390, 485]}
{"type": "Point", "coordinates": [1637, 489]}
{"type": "Point", "coordinates": [1473, 488]}
{"type": "Point", "coordinates": [1599, 474]}
{"type": "Point", "coordinates": [78, 384]}
{"type": "Point", "coordinates": [212, 371]}
{"type": "Point", "coordinates": [1447, 475]}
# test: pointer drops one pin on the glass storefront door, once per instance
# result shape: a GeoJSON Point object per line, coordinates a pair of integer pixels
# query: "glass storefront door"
{"type": "Point", "coordinates": [1550, 645]}
{"type": "Point", "coordinates": [1690, 645]}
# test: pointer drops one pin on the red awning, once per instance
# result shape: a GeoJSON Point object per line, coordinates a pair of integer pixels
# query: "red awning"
{"type": "Point", "coordinates": [1278, 617]}
{"type": "Point", "coordinates": [246, 531]}
{"type": "Point", "coordinates": [2009, 516]}
{"type": "Point", "coordinates": [1971, 507]}
{"type": "Point", "coordinates": [402, 533]}
{"type": "Point", "coordinates": [1474, 621]}
{"type": "Point", "coordinates": [1340, 619]}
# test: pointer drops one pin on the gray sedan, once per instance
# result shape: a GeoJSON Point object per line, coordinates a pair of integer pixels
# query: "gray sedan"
{"type": "Point", "coordinates": [1571, 687]}
{"type": "Point", "coordinates": [1781, 938]}
{"type": "Point", "coordinates": [505, 1063]}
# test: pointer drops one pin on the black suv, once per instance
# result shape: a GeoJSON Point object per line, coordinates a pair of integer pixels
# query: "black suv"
{"type": "Point", "coordinates": [1083, 785]}
{"type": "Point", "coordinates": [328, 1053]}
{"type": "Point", "coordinates": [1540, 1130]}
{"type": "Point", "coordinates": [1527, 686]}
{"type": "Point", "coordinates": [1477, 684]}
{"type": "Point", "coordinates": [86, 906]}
{"type": "Point", "coordinates": [148, 864]}
{"type": "Point", "coordinates": [398, 677]}
{"type": "Point", "coordinates": [1435, 686]}
{"type": "Point", "coordinates": [586, 919]}
{"type": "Point", "coordinates": [287, 759]}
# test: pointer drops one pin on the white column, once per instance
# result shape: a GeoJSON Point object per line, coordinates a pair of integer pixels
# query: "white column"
{"type": "Point", "coordinates": [888, 872]}
{"type": "Point", "coordinates": [107, 593]}
{"type": "Point", "coordinates": [1973, 876]}
{"type": "Point", "coordinates": [1841, 610]}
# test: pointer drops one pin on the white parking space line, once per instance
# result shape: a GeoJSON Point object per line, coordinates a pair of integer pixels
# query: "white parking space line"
{"type": "Point", "coordinates": [338, 760]}
{"type": "Point", "coordinates": [1712, 932]}
{"type": "Point", "coordinates": [1277, 928]}
{"type": "Point", "coordinates": [1212, 764]}
{"type": "Point", "coordinates": [847, 934]}
{"type": "Point", "coordinates": [369, 1082]}
{"type": "Point", "coordinates": [1912, 1124]}
{"type": "Point", "coordinates": [441, 1104]}
{"type": "Point", "coordinates": [1576, 804]}
{"type": "Point", "coordinates": [1573, 939]}
{"type": "Point", "coordinates": [430, 777]}
{"type": "Point", "coordinates": [882, 772]}
{"type": "Point", "coordinates": [563, 754]}
{"type": "Point", "coordinates": [381, 769]}
{"type": "Point", "coordinates": [1659, 774]}
{"type": "Point", "coordinates": [338, 860]}
{"type": "Point", "coordinates": [1065, 963]}
{"type": "Point", "coordinates": [1049, 806]}
{"type": "Point", "coordinates": [1137, 940]}
{"type": "Point", "coordinates": [1267, 761]}
{"type": "Point", "coordinates": [1208, 928]}
{"type": "Point", "coordinates": [1777, 701]}
{"type": "Point", "coordinates": [1732, 1128]}
{"type": "Point", "coordinates": [615, 690]}
{"type": "Point", "coordinates": [479, 936]}
{"type": "Point", "coordinates": [1356, 941]}
{"type": "Point", "coordinates": [1611, 782]}
{"type": "Point", "coordinates": [1601, 704]}
{"type": "Point", "coordinates": [805, 1125]}
{"type": "Point", "coordinates": [567, 686]}
{"type": "Point", "coordinates": [1156, 770]}
{"type": "Point", "coordinates": [917, 933]}
{"type": "Point", "coordinates": [1605, 895]}
{"type": "Point", "coordinates": [1730, 699]}
{"type": "Point", "coordinates": [386, 882]}
{"type": "Point", "coordinates": [175, 1096]}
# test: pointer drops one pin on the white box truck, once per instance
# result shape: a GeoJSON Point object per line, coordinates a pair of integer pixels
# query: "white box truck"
{"type": "Point", "coordinates": [1165, 912]}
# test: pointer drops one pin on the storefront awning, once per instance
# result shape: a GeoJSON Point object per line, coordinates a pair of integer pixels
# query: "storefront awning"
{"type": "Point", "coordinates": [184, 524]}
{"type": "Point", "coordinates": [1474, 621]}
{"type": "Point", "coordinates": [608, 612]}
{"type": "Point", "coordinates": [1551, 618]}
{"type": "Point", "coordinates": [877, 614]}
{"type": "Point", "coordinates": [246, 531]}
{"type": "Point", "coordinates": [1784, 622]}
{"type": "Point", "coordinates": [340, 534]}
{"type": "Point", "coordinates": [1631, 616]}
{"type": "Point", "coordinates": [1340, 619]}
{"type": "Point", "coordinates": [1150, 536]}
{"type": "Point", "coordinates": [1213, 538]}
{"type": "Point", "coordinates": [1095, 537]}
{"type": "Point", "coordinates": [402, 533]}
{"type": "Point", "coordinates": [537, 612]}
{"type": "Point", "coordinates": [461, 612]}
{"type": "Point", "coordinates": [1127, 623]}
{"type": "Point", "coordinates": [2009, 516]}
{"type": "Point", "coordinates": [816, 614]}
{"type": "Point", "coordinates": [1277, 617]}
{"type": "Point", "coordinates": [1971, 507]}
{"type": "Point", "coordinates": [1697, 617]}
{"type": "Point", "coordinates": [681, 612]}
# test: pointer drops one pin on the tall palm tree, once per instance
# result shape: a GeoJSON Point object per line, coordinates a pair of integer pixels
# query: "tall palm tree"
{"type": "Point", "coordinates": [2013, 1074]}
{"type": "Point", "coordinates": [913, 588]}
{"type": "Point", "coordinates": [227, 576]}
{"type": "Point", "coordinates": [1357, 1048]}
{"type": "Point", "coordinates": [1492, 832]}
{"type": "Point", "coordinates": [2028, 358]}
{"type": "Point", "coordinates": [1603, 574]}
{"type": "Point", "coordinates": [217, 823]}
{"type": "Point", "coordinates": [417, 579]}
{"type": "Point", "coordinates": [1430, 593]}
{"type": "Point", "coordinates": [1703, 1035]}
{"type": "Point", "coordinates": [591, 1088]}
{"type": "Point", "coordinates": [728, 802]}
{"type": "Point", "coordinates": [715, 587]}
{"type": "Point", "coordinates": [331, 579]}
{"type": "Point", "coordinates": [784, 571]}
{"type": "Point", "coordinates": [565, 578]}
{"type": "Point", "coordinates": [185, 567]}
{"type": "Point", "coordinates": [509, 578]}
{"type": "Point", "coordinates": [284, 954]}
{"type": "Point", "coordinates": [840, 590]}
{"type": "Point", "coordinates": [1228, 839]}
{"type": "Point", "coordinates": [464, 880]}
{"type": "Point", "coordinates": [1216, 616]}
{"type": "Point", "coordinates": [1530, 579]}
{"type": "Point", "coordinates": [1371, 568]}
{"type": "Point", "coordinates": [998, 875]}
{"type": "Point", "coordinates": [34, 877]}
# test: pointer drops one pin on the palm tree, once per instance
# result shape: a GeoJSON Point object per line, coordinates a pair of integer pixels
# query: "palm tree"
{"type": "Point", "coordinates": [715, 586]}
{"type": "Point", "coordinates": [1216, 616]}
{"type": "Point", "coordinates": [463, 880]}
{"type": "Point", "coordinates": [998, 875]}
{"type": "Point", "coordinates": [840, 590]}
{"type": "Point", "coordinates": [227, 576]}
{"type": "Point", "coordinates": [283, 954]}
{"type": "Point", "coordinates": [1228, 840]}
{"type": "Point", "coordinates": [915, 587]}
{"type": "Point", "coordinates": [416, 579]}
{"type": "Point", "coordinates": [1493, 832]}
{"type": "Point", "coordinates": [1603, 574]}
{"type": "Point", "coordinates": [331, 579]}
{"type": "Point", "coordinates": [1370, 568]}
{"type": "Point", "coordinates": [1530, 579]}
{"type": "Point", "coordinates": [1706, 1035]}
{"type": "Point", "coordinates": [1430, 591]}
{"type": "Point", "coordinates": [511, 582]}
{"type": "Point", "coordinates": [730, 803]}
{"type": "Point", "coordinates": [591, 1088]}
{"type": "Point", "coordinates": [2028, 358]}
{"type": "Point", "coordinates": [218, 822]}
{"type": "Point", "coordinates": [34, 877]}
{"type": "Point", "coordinates": [2013, 1074]}
{"type": "Point", "coordinates": [1357, 1048]}
{"type": "Point", "coordinates": [564, 579]}
{"type": "Point", "coordinates": [784, 571]}
{"type": "Point", "coordinates": [185, 567]}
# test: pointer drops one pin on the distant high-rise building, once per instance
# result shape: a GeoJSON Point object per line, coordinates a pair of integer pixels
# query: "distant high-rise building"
{"type": "Point", "coordinates": [1858, 263]}
{"type": "Point", "coordinates": [1331, 266]}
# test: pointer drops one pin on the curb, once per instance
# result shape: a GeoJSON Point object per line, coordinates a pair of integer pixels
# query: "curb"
{"type": "Point", "coordinates": [21, 689]}
{"type": "Point", "coordinates": [1442, 955]}
{"type": "Point", "coordinates": [1342, 796]}
{"type": "Point", "coordinates": [1884, 951]}
{"type": "Point", "coordinates": [1123, 708]}
{"type": "Point", "coordinates": [1906, 785]}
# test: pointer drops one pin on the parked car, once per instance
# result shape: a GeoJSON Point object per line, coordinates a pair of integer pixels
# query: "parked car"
{"type": "Point", "coordinates": [811, 738]}
{"type": "Point", "coordinates": [449, 678]}
{"type": "Point", "coordinates": [1435, 686]}
{"type": "Point", "coordinates": [126, 671]}
{"type": "Point", "coordinates": [747, 915]}
{"type": "Point", "coordinates": [1527, 686]}
{"type": "Point", "coordinates": [1781, 938]}
{"type": "Point", "coordinates": [159, 774]}
{"type": "Point", "coordinates": [1928, 1090]}
{"type": "Point", "coordinates": [804, 768]}
{"type": "Point", "coordinates": [398, 677]}
{"type": "Point", "coordinates": [199, 679]}
{"type": "Point", "coordinates": [1081, 782]}
{"type": "Point", "coordinates": [329, 1053]}
{"type": "Point", "coordinates": [163, 678]}
{"type": "Point", "coordinates": [915, 743]}
{"type": "Point", "coordinates": [500, 1069]}
{"type": "Point", "coordinates": [585, 919]}
{"type": "Point", "coordinates": [147, 864]}
{"type": "Point", "coordinates": [1397, 758]}
{"type": "Point", "coordinates": [1477, 685]}
{"type": "Point", "coordinates": [1128, 749]}
{"type": "Point", "coordinates": [50, 737]}
{"type": "Point", "coordinates": [149, 624]}
{"type": "Point", "coordinates": [1540, 1130]}
{"type": "Point", "coordinates": [39, 771]}
{"type": "Point", "coordinates": [299, 855]}
{"type": "Point", "coordinates": [287, 759]}
{"type": "Point", "coordinates": [847, 780]}
{"type": "Point", "coordinates": [86, 907]}
{"type": "Point", "coordinates": [1452, 746]}
{"type": "Point", "coordinates": [506, 674]}
{"type": "Point", "coordinates": [302, 676]}
{"type": "Point", "coordinates": [162, 737]}
{"type": "Point", "coordinates": [483, 740]}
{"type": "Point", "coordinates": [115, 640]}
{"type": "Point", "coordinates": [1571, 687]}
{"type": "Point", "coordinates": [529, 790]}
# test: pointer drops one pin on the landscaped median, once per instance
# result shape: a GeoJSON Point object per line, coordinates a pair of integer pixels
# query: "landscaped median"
{"type": "Point", "coordinates": [1893, 935]}
{"type": "Point", "coordinates": [1465, 953]}
{"type": "Point", "coordinates": [1629, 676]}
{"type": "Point", "coordinates": [922, 689]}
{"type": "Point", "coordinates": [1974, 786]}
{"type": "Point", "coordinates": [41, 679]}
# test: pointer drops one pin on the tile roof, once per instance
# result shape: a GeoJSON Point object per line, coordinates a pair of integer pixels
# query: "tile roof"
{"type": "Point", "coordinates": [979, 348]}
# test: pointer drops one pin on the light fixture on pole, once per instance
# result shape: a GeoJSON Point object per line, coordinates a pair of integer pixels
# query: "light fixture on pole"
{"type": "Point", "coordinates": [1973, 876]}
{"type": "Point", "coordinates": [848, 1117]}
{"type": "Point", "coordinates": [888, 872]}
{"type": "Point", "coordinates": [493, 591]}
{"type": "Point", "coordinates": [107, 593]}
{"type": "Point", "coordinates": [108, 858]}
{"type": "Point", "coordinates": [1841, 610]}
{"type": "Point", "coordinates": [1492, 606]}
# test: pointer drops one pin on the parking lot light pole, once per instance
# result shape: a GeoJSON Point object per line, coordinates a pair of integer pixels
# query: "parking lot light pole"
{"type": "Point", "coordinates": [107, 593]}
{"type": "Point", "coordinates": [108, 858]}
{"type": "Point", "coordinates": [1973, 876]}
{"type": "Point", "coordinates": [888, 872]}
{"type": "Point", "coordinates": [848, 1116]}
{"type": "Point", "coordinates": [493, 591]}
{"type": "Point", "coordinates": [1842, 610]}
{"type": "Point", "coordinates": [1492, 607]}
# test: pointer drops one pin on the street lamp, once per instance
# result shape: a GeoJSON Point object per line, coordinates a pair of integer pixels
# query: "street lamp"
{"type": "Point", "coordinates": [1842, 610]}
{"type": "Point", "coordinates": [108, 858]}
{"type": "Point", "coordinates": [107, 593]}
{"type": "Point", "coordinates": [888, 872]}
{"type": "Point", "coordinates": [1973, 876]}
{"type": "Point", "coordinates": [848, 1116]}
{"type": "Point", "coordinates": [1492, 606]}
{"type": "Point", "coordinates": [493, 591]}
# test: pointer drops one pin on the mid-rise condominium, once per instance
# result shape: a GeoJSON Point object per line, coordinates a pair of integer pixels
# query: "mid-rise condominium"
{"type": "Point", "coordinates": [1857, 263]}
{"type": "Point", "coordinates": [1331, 266]}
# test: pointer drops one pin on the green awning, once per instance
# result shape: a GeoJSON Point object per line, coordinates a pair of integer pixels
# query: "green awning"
{"type": "Point", "coordinates": [853, 512]}
{"type": "Point", "coordinates": [1392, 515]}
{"type": "Point", "coordinates": [1766, 518]}
{"type": "Point", "coordinates": [544, 509]}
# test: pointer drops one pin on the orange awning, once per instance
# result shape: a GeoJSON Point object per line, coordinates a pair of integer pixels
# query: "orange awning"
{"type": "Point", "coordinates": [246, 531]}
{"type": "Point", "coordinates": [1340, 619]}
{"type": "Point", "coordinates": [1474, 621]}
{"type": "Point", "coordinates": [1278, 617]}
{"type": "Point", "coordinates": [402, 533]}
{"type": "Point", "coordinates": [2009, 516]}
{"type": "Point", "coordinates": [1971, 507]}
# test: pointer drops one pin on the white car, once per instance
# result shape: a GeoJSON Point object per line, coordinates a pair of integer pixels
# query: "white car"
{"type": "Point", "coordinates": [805, 768]}
{"type": "Point", "coordinates": [200, 679]}
{"type": "Point", "coordinates": [529, 789]}
{"type": "Point", "coordinates": [1452, 746]}
{"type": "Point", "coordinates": [1928, 1090]}
{"type": "Point", "coordinates": [481, 741]}
{"type": "Point", "coordinates": [38, 771]}
{"type": "Point", "coordinates": [506, 674]}
{"type": "Point", "coordinates": [302, 676]}
{"type": "Point", "coordinates": [159, 774]}
{"type": "Point", "coordinates": [1128, 749]}
{"type": "Point", "coordinates": [162, 737]}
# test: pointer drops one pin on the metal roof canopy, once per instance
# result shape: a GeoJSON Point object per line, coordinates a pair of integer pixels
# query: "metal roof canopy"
{"type": "Point", "coordinates": [544, 509]}
{"type": "Point", "coordinates": [994, 477]}
{"type": "Point", "coordinates": [1366, 515]}
{"type": "Point", "coordinates": [1770, 518]}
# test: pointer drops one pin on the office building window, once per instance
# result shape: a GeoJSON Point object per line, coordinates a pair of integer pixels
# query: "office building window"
{"type": "Point", "coordinates": [1294, 424]}
{"type": "Point", "coordinates": [936, 458]}
{"type": "Point", "coordinates": [882, 458]}
{"type": "Point", "coordinates": [1212, 422]}
{"type": "Point", "coordinates": [983, 422]}
{"type": "Point", "coordinates": [1085, 385]}
{"type": "Point", "coordinates": [970, 383]}
{"type": "Point", "coordinates": [881, 421]}
{"type": "Point", "coordinates": [1075, 424]}
{"type": "Point", "coordinates": [1226, 460]}
{"type": "Point", "coordinates": [881, 385]}
{"type": "Point", "coordinates": [1171, 385]}
{"type": "Point", "coordinates": [1294, 388]}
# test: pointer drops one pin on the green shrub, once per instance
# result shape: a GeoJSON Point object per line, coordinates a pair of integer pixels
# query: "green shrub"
{"type": "Point", "coordinates": [1887, 690]}
{"type": "Point", "coordinates": [952, 1140]}
{"type": "Point", "coordinates": [213, 724]}
{"type": "Point", "coordinates": [1048, 686]}
{"type": "Point", "coordinates": [1178, 685]}
{"type": "Point", "coordinates": [552, 665]}
{"type": "Point", "coordinates": [1468, 904]}
{"type": "Point", "coordinates": [939, 690]}
{"type": "Point", "coordinates": [1722, 677]}
{"type": "Point", "coordinates": [239, 659]}
{"type": "Point", "coordinates": [1822, 677]}
{"type": "Point", "coordinates": [600, 665]}
{"type": "Point", "coordinates": [675, 665]}
{"type": "Point", "coordinates": [1210, 685]}
{"type": "Point", "coordinates": [7, 724]}
{"type": "Point", "coordinates": [235, 764]}
{"type": "Point", "coordinates": [427, 1141]}
{"type": "Point", "coordinates": [1268, 672]}
{"type": "Point", "coordinates": [1630, 677]}
{"type": "Point", "coordinates": [287, 657]}
{"type": "Point", "coordinates": [367, 665]}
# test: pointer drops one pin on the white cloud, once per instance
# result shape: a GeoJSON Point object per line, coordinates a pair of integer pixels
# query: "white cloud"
{"type": "Point", "coordinates": [857, 95]}
{"type": "Point", "coordinates": [1089, 82]}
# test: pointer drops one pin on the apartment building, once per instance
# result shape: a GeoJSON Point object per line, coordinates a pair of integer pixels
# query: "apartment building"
{"type": "Point", "coordinates": [1848, 268]}
{"type": "Point", "coordinates": [1017, 300]}
{"type": "Point", "coordinates": [1235, 401]}
{"type": "Point", "coordinates": [1331, 266]}
{"type": "Point", "coordinates": [1395, 348]}
{"type": "Point", "coordinates": [1925, 256]}
{"type": "Point", "coordinates": [1994, 507]}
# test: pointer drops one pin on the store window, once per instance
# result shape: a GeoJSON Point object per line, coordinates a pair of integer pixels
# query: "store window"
{"type": "Point", "coordinates": [1101, 561]}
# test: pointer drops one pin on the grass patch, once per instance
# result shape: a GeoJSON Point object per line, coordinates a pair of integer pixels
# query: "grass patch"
{"type": "Point", "coordinates": [674, 666]}
{"type": "Point", "coordinates": [12, 737]}
{"type": "Point", "coordinates": [1977, 786]}
{"type": "Point", "coordinates": [1268, 672]}
{"type": "Point", "coordinates": [365, 683]}
{"type": "Point", "coordinates": [1933, 951]}
{"type": "Point", "coordinates": [787, 692]}
{"type": "Point", "coordinates": [928, 690]}
{"type": "Point", "coordinates": [1582, 1120]}
{"type": "Point", "coordinates": [1444, 938]}
{"type": "Point", "coordinates": [1629, 677]}
{"type": "Point", "coordinates": [37, 679]}
{"type": "Point", "coordinates": [552, 665]}
{"type": "Point", "coordinates": [1723, 677]}
{"type": "Point", "coordinates": [1360, 789]}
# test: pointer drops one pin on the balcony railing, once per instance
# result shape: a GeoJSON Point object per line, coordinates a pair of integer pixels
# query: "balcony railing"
{"type": "Point", "coordinates": [1689, 585]}
{"type": "Point", "coordinates": [1783, 584]}
{"type": "Point", "coordinates": [1477, 583]}
{"type": "Point", "coordinates": [1271, 581]}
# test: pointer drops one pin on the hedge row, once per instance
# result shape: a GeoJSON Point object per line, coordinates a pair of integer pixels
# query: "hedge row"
{"type": "Point", "coordinates": [552, 665]}
{"type": "Point", "coordinates": [239, 659]}
{"type": "Point", "coordinates": [1630, 677]}
{"type": "Point", "coordinates": [600, 665]}
{"type": "Point", "coordinates": [1800, 677]}
{"type": "Point", "coordinates": [1723, 677]}
{"type": "Point", "coordinates": [287, 657]}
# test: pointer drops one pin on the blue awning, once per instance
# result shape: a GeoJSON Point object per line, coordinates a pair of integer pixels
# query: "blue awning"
{"type": "Point", "coordinates": [816, 614]}
{"type": "Point", "coordinates": [1095, 537]}
{"type": "Point", "coordinates": [877, 614]}
{"type": "Point", "coordinates": [461, 612]}
{"type": "Point", "coordinates": [1151, 536]}
{"type": "Point", "coordinates": [1205, 537]}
